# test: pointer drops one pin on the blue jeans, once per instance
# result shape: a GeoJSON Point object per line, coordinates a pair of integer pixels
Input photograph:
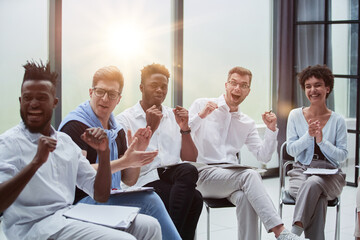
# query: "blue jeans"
{"type": "Point", "coordinates": [149, 204]}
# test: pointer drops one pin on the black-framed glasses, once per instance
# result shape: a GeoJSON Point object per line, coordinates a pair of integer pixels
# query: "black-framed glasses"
{"type": "Point", "coordinates": [112, 94]}
{"type": "Point", "coordinates": [241, 85]}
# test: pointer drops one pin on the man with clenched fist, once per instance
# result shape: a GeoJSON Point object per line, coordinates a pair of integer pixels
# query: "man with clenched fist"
{"type": "Point", "coordinates": [40, 168]}
{"type": "Point", "coordinates": [175, 183]}
{"type": "Point", "coordinates": [219, 131]}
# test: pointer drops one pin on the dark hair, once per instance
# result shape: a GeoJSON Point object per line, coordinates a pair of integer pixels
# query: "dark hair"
{"type": "Point", "coordinates": [241, 71]}
{"type": "Point", "coordinates": [319, 72]}
{"type": "Point", "coordinates": [39, 71]}
{"type": "Point", "coordinates": [109, 73]}
{"type": "Point", "coordinates": [148, 70]}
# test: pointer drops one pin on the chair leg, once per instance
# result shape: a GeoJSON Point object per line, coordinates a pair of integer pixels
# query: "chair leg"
{"type": "Point", "coordinates": [280, 208]}
{"type": "Point", "coordinates": [337, 227]}
{"type": "Point", "coordinates": [208, 222]}
{"type": "Point", "coordinates": [260, 228]}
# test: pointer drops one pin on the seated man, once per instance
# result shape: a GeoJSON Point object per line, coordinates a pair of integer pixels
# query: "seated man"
{"type": "Point", "coordinates": [40, 168]}
{"type": "Point", "coordinates": [175, 184]}
{"type": "Point", "coordinates": [219, 130]}
{"type": "Point", "coordinates": [105, 94]}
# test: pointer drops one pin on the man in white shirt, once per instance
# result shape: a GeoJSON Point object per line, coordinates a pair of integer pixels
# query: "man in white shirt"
{"type": "Point", "coordinates": [219, 130]}
{"type": "Point", "coordinates": [171, 137]}
{"type": "Point", "coordinates": [40, 167]}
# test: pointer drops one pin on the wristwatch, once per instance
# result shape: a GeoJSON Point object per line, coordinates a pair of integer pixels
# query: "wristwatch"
{"type": "Point", "coordinates": [185, 132]}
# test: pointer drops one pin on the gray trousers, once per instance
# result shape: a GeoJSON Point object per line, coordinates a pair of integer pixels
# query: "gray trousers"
{"type": "Point", "coordinates": [312, 193]}
{"type": "Point", "coordinates": [244, 188]}
{"type": "Point", "coordinates": [144, 227]}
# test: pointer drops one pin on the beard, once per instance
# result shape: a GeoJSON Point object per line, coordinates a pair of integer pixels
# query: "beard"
{"type": "Point", "coordinates": [34, 129]}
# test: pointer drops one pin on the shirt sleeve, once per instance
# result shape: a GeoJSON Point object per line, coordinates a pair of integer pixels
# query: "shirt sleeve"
{"type": "Point", "coordinates": [9, 159]}
{"type": "Point", "coordinates": [86, 174]}
{"type": "Point", "coordinates": [194, 119]}
{"type": "Point", "coordinates": [336, 153]}
{"type": "Point", "coordinates": [262, 150]}
{"type": "Point", "coordinates": [295, 143]}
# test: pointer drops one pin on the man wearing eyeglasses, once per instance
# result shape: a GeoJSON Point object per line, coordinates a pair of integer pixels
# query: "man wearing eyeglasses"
{"type": "Point", "coordinates": [219, 130]}
{"type": "Point", "coordinates": [105, 94]}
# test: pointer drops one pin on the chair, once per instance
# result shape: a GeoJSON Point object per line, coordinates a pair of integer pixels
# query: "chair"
{"type": "Point", "coordinates": [287, 199]}
{"type": "Point", "coordinates": [220, 203]}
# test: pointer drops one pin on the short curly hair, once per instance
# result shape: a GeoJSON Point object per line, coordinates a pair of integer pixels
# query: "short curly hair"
{"type": "Point", "coordinates": [319, 72]}
{"type": "Point", "coordinates": [151, 69]}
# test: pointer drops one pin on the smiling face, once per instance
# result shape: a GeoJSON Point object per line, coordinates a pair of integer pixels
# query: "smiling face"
{"type": "Point", "coordinates": [37, 102]}
{"type": "Point", "coordinates": [315, 90]}
{"type": "Point", "coordinates": [103, 106]}
{"type": "Point", "coordinates": [154, 89]}
{"type": "Point", "coordinates": [237, 89]}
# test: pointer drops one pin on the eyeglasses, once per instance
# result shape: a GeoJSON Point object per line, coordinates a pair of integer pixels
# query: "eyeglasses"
{"type": "Point", "coordinates": [241, 85]}
{"type": "Point", "coordinates": [112, 94]}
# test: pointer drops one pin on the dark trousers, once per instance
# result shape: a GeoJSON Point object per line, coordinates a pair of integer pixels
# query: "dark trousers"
{"type": "Point", "coordinates": [176, 189]}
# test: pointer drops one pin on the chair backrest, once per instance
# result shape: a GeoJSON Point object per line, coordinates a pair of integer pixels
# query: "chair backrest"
{"type": "Point", "coordinates": [283, 166]}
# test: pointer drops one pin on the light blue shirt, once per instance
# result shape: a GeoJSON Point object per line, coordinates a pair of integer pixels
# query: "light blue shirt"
{"type": "Point", "coordinates": [301, 145]}
{"type": "Point", "coordinates": [37, 211]}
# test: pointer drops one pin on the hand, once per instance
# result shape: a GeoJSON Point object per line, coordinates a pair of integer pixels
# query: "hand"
{"type": "Point", "coordinates": [182, 118]}
{"type": "Point", "coordinates": [153, 117]}
{"type": "Point", "coordinates": [270, 120]}
{"type": "Point", "coordinates": [209, 108]}
{"type": "Point", "coordinates": [136, 158]}
{"type": "Point", "coordinates": [96, 138]}
{"type": "Point", "coordinates": [315, 129]}
{"type": "Point", "coordinates": [45, 146]}
{"type": "Point", "coordinates": [143, 135]}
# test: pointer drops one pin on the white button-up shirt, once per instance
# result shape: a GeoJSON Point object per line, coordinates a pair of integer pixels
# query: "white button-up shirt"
{"type": "Point", "coordinates": [37, 211]}
{"type": "Point", "coordinates": [220, 135]}
{"type": "Point", "coordinates": [166, 139]}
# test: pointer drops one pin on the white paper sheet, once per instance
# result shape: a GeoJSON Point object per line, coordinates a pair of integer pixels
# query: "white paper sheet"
{"type": "Point", "coordinates": [321, 171]}
{"type": "Point", "coordinates": [111, 216]}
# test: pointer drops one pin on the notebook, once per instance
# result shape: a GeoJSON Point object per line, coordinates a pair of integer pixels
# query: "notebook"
{"type": "Point", "coordinates": [119, 217]}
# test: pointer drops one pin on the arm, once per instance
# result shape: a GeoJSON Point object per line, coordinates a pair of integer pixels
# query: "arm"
{"type": "Point", "coordinates": [295, 143]}
{"type": "Point", "coordinates": [188, 149]}
{"type": "Point", "coordinates": [197, 113]}
{"type": "Point", "coordinates": [10, 190]}
{"type": "Point", "coordinates": [261, 149]}
{"type": "Point", "coordinates": [336, 153]}
{"type": "Point", "coordinates": [134, 158]}
{"type": "Point", "coordinates": [97, 139]}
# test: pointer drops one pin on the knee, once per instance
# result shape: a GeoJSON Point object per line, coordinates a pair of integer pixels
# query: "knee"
{"type": "Point", "coordinates": [188, 173]}
{"type": "Point", "coordinates": [152, 228]}
{"type": "Point", "coordinates": [311, 184]}
{"type": "Point", "coordinates": [251, 175]}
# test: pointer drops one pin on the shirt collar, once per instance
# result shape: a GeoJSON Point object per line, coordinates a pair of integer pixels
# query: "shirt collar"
{"type": "Point", "coordinates": [222, 104]}
{"type": "Point", "coordinates": [34, 137]}
{"type": "Point", "coordinates": [139, 111]}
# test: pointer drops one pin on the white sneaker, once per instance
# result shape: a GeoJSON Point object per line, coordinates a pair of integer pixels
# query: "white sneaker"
{"type": "Point", "coordinates": [287, 235]}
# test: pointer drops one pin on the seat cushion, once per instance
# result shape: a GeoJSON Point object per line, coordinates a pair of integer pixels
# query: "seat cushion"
{"type": "Point", "coordinates": [217, 203]}
{"type": "Point", "coordinates": [289, 200]}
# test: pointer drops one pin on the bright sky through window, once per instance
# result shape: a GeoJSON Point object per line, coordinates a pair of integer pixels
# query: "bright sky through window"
{"type": "Point", "coordinates": [126, 41]}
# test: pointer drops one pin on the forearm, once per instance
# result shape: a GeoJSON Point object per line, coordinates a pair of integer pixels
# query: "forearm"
{"type": "Point", "coordinates": [102, 182]}
{"type": "Point", "coordinates": [12, 188]}
{"type": "Point", "coordinates": [130, 176]}
{"type": "Point", "coordinates": [188, 149]}
{"type": "Point", "coordinates": [115, 165]}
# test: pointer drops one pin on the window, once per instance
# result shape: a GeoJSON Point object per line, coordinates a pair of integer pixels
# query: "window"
{"type": "Point", "coordinates": [24, 37]}
{"type": "Point", "coordinates": [128, 34]}
{"type": "Point", "coordinates": [327, 32]}
{"type": "Point", "coordinates": [219, 35]}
